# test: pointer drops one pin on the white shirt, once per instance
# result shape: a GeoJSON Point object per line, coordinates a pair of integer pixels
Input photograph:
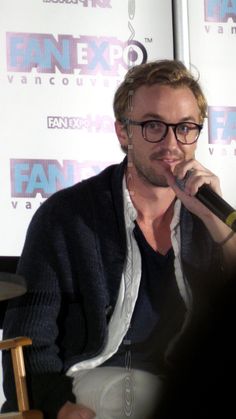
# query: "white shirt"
{"type": "Point", "coordinates": [121, 317]}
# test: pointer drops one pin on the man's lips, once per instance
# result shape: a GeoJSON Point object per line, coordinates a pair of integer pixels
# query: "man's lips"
{"type": "Point", "coordinates": [168, 161]}
{"type": "Point", "coordinates": [167, 157]}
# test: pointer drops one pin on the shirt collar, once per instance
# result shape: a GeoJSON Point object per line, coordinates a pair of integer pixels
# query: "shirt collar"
{"type": "Point", "coordinates": [129, 209]}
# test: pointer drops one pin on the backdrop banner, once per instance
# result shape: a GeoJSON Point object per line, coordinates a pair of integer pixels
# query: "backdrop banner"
{"type": "Point", "coordinates": [212, 41]}
{"type": "Point", "coordinates": [60, 63]}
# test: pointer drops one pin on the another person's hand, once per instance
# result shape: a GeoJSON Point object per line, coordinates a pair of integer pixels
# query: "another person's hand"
{"type": "Point", "coordinates": [75, 411]}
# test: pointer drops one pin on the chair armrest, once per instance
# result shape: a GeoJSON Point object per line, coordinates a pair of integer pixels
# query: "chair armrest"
{"type": "Point", "coordinates": [15, 346]}
{"type": "Point", "coordinates": [15, 342]}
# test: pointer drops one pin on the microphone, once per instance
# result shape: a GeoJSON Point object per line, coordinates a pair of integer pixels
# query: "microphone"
{"type": "Point", "coordinates": [214, 202]}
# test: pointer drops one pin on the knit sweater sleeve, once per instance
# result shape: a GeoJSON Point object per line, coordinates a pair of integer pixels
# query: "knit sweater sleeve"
{"type": "Point", "coordinates": [72, 276]}
{"type": "Point", "coordinates": [36, 315]}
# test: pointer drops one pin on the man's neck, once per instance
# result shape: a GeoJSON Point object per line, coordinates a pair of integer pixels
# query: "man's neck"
{"type": "Point", "coordinates": [155, 208]}
{"type": "Point", "coordinates": [151, 202]}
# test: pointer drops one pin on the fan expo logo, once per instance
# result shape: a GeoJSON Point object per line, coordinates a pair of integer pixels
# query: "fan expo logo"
{"type": "Point", "coordinates": [222, 129]}
{"type": "Point", "coordinates": [30, 177]}
{"type": "Point", "coordinates": [220, 15]}
{"type": "Point", "coordinates": [85, 3]}
{"type": "Point", "coordinates": [90, 123]}
{"type": "Point", "coordinates": [84, 56]}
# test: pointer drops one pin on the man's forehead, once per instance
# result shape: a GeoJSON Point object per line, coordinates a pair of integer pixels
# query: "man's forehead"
{"type": "Point", "coordinates": [162, 94]}
{"type": "Point", "coordinates": [159, 101]}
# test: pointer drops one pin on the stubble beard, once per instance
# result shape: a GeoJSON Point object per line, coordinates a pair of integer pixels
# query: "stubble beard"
{"type": "Point", "coordinates": [149, 175]}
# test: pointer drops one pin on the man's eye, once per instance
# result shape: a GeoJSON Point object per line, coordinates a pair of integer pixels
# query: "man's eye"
{"type": "Point", "coordinates": [154, 125]}
{"type": "Point", "coordinates": [184, 128]}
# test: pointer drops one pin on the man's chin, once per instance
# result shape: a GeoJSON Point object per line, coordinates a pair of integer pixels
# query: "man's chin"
{"type": "Point", "coordinates": [154, 180]}
{"type": "Point", "coordinates": [160, 184]}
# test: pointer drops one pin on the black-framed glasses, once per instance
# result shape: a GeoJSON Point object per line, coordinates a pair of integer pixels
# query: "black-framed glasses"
{"type": "Point", "coordinates": [155, 131]}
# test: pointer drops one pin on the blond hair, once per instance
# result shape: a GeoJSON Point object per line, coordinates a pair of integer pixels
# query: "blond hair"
{"type": "Point", "coordinates": [172, 73]}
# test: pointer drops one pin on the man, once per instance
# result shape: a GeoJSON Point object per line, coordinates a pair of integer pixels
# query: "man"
{"type": "Point", "coordinates": [116, 264]}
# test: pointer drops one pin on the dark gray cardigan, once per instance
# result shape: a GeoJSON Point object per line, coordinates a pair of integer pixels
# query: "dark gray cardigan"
{"type": "Point", "coordinates": [72, 261]}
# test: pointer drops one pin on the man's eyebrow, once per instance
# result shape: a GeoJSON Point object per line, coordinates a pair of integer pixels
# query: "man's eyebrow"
{"type": "Point", "coordinates": [152, 116]}
{"type": "Point", "coordinates": [161, 118]}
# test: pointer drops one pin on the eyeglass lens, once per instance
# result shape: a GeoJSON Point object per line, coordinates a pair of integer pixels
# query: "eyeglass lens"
{"type": "Point", "coordinates": [155, 131]}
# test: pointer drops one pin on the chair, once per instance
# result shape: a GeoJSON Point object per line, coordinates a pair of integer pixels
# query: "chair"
{"type": "Point", "coordinates": [15, 345]}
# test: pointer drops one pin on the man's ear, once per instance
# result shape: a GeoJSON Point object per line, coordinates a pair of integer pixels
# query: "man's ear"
{"type": "Point", "coordinates": [121, 133]}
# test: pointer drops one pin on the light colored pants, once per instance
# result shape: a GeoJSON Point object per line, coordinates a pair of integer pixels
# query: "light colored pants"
{"type": "Point", "coordinates": [117, 393]}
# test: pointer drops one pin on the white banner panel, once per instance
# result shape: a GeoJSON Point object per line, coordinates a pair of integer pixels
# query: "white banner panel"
{"type": "Point", "coordinates": [60, 63]}
{"type": "Point", "coordinates": [212, 38]}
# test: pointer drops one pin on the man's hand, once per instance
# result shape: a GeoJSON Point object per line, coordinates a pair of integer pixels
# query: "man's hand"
{"type": "Point", "coordinates": [199, 176]}
{"type": "Point", "coordinates": [75, 411]}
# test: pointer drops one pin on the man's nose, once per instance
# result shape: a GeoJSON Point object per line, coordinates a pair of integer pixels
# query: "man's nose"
{"type": "Point", "coordinates": [170, 138]}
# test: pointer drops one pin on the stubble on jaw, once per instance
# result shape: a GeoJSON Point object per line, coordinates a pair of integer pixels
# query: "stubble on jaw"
{"type": "Point", "coordinates": [150, 177]}
{"type": "Point", "coordinates": [147, 175]}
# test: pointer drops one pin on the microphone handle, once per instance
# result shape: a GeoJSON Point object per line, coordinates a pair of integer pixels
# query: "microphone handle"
{"type": "Point", "coordinates": [213, 202]}
{"type": "Point", "coordinates": [217, 205]}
